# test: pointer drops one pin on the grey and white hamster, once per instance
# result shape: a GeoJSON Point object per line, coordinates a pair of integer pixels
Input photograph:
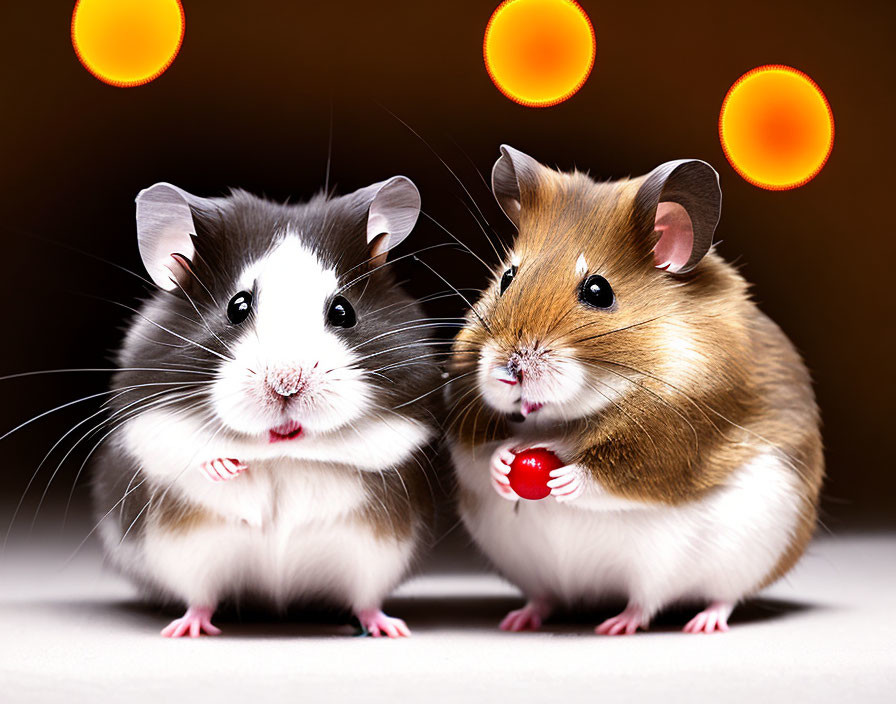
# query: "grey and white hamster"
{"type": "Point", "coordinates": [267, 439]}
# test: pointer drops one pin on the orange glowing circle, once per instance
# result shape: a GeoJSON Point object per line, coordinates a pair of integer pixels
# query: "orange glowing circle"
{"type": "Point", "coordinates": [127, 42]}
{"type": "Point", "coordinates": [776, 127]}
{"type": "Point", "coordinates": [539, 52]}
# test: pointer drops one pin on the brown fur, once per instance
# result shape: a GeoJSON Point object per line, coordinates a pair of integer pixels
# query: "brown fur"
{"type": "Point", "coordinates": [691, 422]}
{"type": "Point", "coordinates": [177, 516]}
{"type": "Point", "coordinates": [400, 502]}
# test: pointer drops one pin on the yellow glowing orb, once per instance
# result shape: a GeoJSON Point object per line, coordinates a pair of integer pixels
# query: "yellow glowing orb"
{"type": "Point", "coordinates": [539, 52]}
{"type": "Point", "coordinates": [776, 127]}
{"type": "Point", "coordinates": [127, 42]}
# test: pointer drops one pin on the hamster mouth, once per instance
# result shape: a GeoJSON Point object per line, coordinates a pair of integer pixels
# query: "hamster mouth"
{"type": "Point", "coordinates": [288, 431]}
{"type": "Point", "coordinates": [527, 408]}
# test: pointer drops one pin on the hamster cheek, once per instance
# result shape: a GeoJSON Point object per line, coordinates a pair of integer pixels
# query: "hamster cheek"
{"type": "Point", "coordinates": [563, 390]}
{"type": "Point", "coordinates": [595, 397]}
{"type": "Point", "coordinates": [237, 394]}
{"type": "Point", "coordinates": [342, 397]}
{"type": "Point", "coordinates": [498, 394]}
{"type": "Point", "coordinates": [561, 383]}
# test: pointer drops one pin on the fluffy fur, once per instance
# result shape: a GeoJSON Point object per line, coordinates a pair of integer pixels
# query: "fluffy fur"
{"type": "Point", "coordinates": [335, 515]}
{"type": "Point", "coordinates": [686, 418]}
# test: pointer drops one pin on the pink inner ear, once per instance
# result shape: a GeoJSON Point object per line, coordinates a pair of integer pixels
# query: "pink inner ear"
{"type": "Point", "coordinates": [179, 270]}
{"type": "Point", "coordinates": [676, 237]}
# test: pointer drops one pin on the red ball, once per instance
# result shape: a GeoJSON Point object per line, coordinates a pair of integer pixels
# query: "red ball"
{"type": "Point", "coordinates": [530, 473]}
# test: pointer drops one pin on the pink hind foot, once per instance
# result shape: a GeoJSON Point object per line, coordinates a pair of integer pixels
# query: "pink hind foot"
{"type": "Point", "coordinates": [377, 624]}
{"type": "Point", "coordinates": [196, 621]}
{"type": "Point", "coordinates": [625, 623]}
{"type": "Point", "coordinates": [712, 619]}
{"type": "Point", "coordinates": [528, 618]}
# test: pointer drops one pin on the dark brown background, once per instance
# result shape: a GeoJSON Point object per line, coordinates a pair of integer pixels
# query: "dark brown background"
{"type": "Point", "coordinates": [248, 103]}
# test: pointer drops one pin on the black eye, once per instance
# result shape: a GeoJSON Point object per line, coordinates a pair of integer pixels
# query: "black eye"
{"type": "Point", "coordinates": [341, 313]}
{"type": "Point", "coordinates": [596, 292]}
{"type": "Point", "coordinates": [507, 278]}
{"type": "Point", "coordinates": [239, 307]}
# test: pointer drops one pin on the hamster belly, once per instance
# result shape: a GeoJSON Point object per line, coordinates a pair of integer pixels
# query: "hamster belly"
{"type": "Point", "coordinates": [547, 549]}
{"type": "Point", "coordinates": [297, 536]}
{"type": "Point", "coordinates": [720, 547]}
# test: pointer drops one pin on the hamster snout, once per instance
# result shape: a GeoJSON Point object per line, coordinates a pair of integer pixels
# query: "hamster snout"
{"type": "Point", "coordinates": [287, 380]}
{"type": "Point", "coordinates": [528, 378]}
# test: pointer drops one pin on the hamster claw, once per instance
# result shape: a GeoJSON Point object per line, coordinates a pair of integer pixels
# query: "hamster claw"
{"type": "Point", "coordinates": [528, 618]}
{"type": "Point", "coordinates": [624, 624]}
{"type": "Point", "coordinates": [566, 483]}
{"type": "Point", "coordinates": [713, 619]}
{"type": "Point", "coordinates": [501, 485]}
{"type": "Point", "coordinates": [499, 468]}
{"type": "Point", "coordinates": [222, 469]}
{"type": "Point", "coordinates": [505, 457]}
{"type": "Point", "coordinates": [378, 624]}
{"type": "Point", "coordinates": [505, 492]}
{"type": "Point", "coordinates": [194, 623]}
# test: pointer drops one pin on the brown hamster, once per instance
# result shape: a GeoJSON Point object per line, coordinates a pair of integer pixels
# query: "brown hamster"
{"type": "Point", "coordinates": [616, 337]}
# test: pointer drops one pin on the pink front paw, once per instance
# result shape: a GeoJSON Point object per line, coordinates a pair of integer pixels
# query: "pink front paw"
{"type": "Point", "coordinates": [499, 468]}
{"type": "Point", "coordinates": [377, 624]}
{"type": "Point", "coordinates": [567, 483]}
{"type": "Point", "coordinates": [222, 469]}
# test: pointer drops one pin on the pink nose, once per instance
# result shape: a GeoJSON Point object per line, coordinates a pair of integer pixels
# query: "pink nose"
{"type": "Point", "coordinates": [285, 381]}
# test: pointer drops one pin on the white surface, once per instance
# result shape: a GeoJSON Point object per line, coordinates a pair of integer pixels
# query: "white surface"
{"type": "Point", "coordinates": [823, 635]}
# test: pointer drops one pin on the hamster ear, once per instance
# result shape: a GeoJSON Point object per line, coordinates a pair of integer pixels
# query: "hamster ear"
{"type": "Point", "coordinates": [165, 232]}
{"type": "Point", "coordinates": [513, 173]}
{"type": "Point", "coordinates": [393, 207]}
{"type": "Point", "coordinates": [683, 201]}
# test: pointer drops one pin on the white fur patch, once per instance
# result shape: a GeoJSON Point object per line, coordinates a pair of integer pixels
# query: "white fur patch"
{"type": "Point", "coordinates": [555, 379]}
{"type": "Point", "coordinates": [681, 354]}
{"type": "Point", "coordinates": [283, 532]}
{"type": "Point", "coordinates": [290, 337]}
{"type": "Point", "coordinates": [339, 562]}
{"type": "Point", "coordinates": [581, 265]}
